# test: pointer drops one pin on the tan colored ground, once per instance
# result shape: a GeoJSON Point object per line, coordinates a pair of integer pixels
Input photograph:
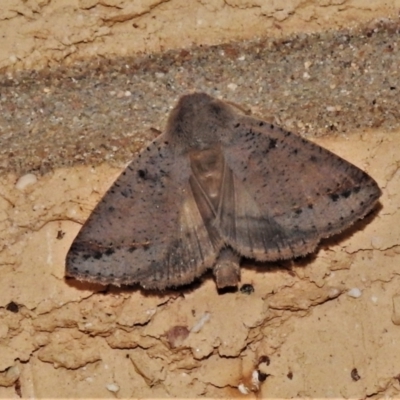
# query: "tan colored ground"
{"type": "Point", "coordinates": [41, 32]}
{"type": "Point", "coordinates": [327, 327]}
{"type": "Point", "coordinates": [70, 339]}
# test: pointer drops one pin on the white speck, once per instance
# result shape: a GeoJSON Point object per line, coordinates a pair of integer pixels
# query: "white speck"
{"type": "Point", "coordinates": [241, 58]}
{"type": "Point", "coordinates": [89, 379]}
{"type": "Point", "coordinates": [306, 76]}
{"type": "Point", "coordinates": [374, 299]}
{"type": "Point", "coordinates": [232, 86]}
{"type": "Point", "coordinates": [151, 312]}
{"type": "Point", "coordinates": [197, 327]}
{"type": "Point", "coordinates": [25, 180]}
{"type": "Point", "coordinates": [127, 93]}
{"type": "Point", "coordinates": [307, 64]}
{"type": "Point", "coordinates": [333, 292]}
{"type": "Point", "coordinates": [333, 108]}
{"type": "Point", "coordinates": [377, 242]}
{"type": "Point", "coordinates": [243, 389]}
{"type": "Point", "coordinates": [13, 58]}
{"type": "Point", "coordinates": [112, 387]}
{"type": "Point", "coordinates": [254, 380]}
{"type": "Point", "coordinates": [354, 292]}
{"type": "Point", "coordinates": [88, 325]}
{"type": "Point", "coordinates": [159, 74]}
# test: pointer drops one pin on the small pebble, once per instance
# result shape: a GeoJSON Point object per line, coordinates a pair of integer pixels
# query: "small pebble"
{"type": "Point", "coordinates": [374, 299]}
{"type": "Point", "coordinates": [112, 387]}
{"type": "Point", "coordinates": [232, 86]}
{"type": "Point", "coordinates": [25, 181]}
{"type": "Point", "coordinates": [243, 389]}
{"type": "Point", "coordinates": [377, 242]}
{"type": "Point", "coordinates": [333, 292]}
{"type": "Point", "coordinates": [354, 292]}
{"type": "Point", "coordinates": [307, 64]}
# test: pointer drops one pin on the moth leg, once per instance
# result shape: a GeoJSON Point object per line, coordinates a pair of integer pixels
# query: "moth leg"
{"type": "Point", "coordinates": [227, 268]}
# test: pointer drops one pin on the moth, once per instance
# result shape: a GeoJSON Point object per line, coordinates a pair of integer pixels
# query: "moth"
{"type": "Point", "coordinates": [217, 186]}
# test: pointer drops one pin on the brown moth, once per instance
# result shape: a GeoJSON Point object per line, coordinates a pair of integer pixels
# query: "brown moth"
{"type": "Point", "coordinates": [215, 187]}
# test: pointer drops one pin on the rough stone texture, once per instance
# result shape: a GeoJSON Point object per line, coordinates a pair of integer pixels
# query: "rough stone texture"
{"type": "Point", "coordinates": [105, 110]}
{"type": "Point", "coordinates": [35, 33]}
{"type": "Point", "coordinates": [302, 328]}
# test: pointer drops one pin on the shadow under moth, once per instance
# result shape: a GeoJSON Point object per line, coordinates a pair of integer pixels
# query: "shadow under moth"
{"type": "Point", "coordinates": [216, 186]}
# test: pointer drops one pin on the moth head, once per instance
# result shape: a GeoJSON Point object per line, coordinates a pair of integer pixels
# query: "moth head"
{"type": "Point", "coordinates": [194, 122]}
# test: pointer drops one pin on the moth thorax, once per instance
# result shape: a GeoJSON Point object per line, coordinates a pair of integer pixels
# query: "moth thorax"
{"type": "Point", "coordinates": [208, 169]}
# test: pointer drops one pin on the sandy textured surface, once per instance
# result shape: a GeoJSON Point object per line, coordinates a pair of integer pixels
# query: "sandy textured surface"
{"type": "Point", "coordinates": [105, 110]}
{"type": "Point", "coordinates": [324, 326]}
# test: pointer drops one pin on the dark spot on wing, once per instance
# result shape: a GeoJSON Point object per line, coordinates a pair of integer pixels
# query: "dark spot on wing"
{"type": "Point", "coordinates": [124, 193]}
{"type": "Point", "coordinates": [109, 251]}
{"type": "Point", "coordinates": [97, 255]}
{"type": "Point", "coordinates": [346, 194]}
{"type": "Point", "coordinates": [272, 143]}
{"type": "Point", "coordinates": [334, 197]}
{"type": "Point", "coordinates": [142, 174]}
